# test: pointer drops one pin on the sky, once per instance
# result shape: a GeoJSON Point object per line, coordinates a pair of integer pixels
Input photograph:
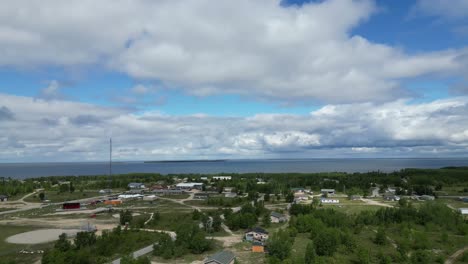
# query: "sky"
{"type": "Point", "coordinates": [200, 79]}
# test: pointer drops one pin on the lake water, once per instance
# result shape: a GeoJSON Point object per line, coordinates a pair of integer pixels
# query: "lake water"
{"type": "Point", "coordinates": [29, 170]}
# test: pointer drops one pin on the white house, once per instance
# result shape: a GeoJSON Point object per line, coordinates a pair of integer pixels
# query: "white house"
{"type": "Point", "coordinates": [463, 211]}
{"type": "Point", "coordinates": [330, 201]}
{"type": "Point", "coordinates": [130, 196]}
{"type": "Point", "coordinates": [4, 198]}
{"type": "Point", "coordinates": [256, 234]}
{"type": "Point", "coordinates": [277, 217]}
{"type": "Point", "coordinates": [327, 191]}
{"type": "Point", "coordinates": [150, 198]}
{"type": "Point", "coordinates": [136, 185]}
{"type": "Point", "coordinates": [190, 185]}
{"type": "Point", "coordinates": [223, 178]}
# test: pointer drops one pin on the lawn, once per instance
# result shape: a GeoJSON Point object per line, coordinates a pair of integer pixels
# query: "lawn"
{"type": "Point", "coordinates": [9, 253]}
{"type": "Point", "coordinates": [189, 258]}
{"type": "Point", "coordinates": [57, 197]}
{"type": "Point", "coordinates": [355, 208]}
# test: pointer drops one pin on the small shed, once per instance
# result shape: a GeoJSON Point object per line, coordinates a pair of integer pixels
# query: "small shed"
{"type": "Point", "coordinates": [113, 202]}
{"type": "Point", "coordinates": [222, 257]}
{"type": "Point", "coordinates": [427, 198]}
{"type": "Point", "coordinates": [3, 198]}
{"type": "Point", "coordinates": [355, 197]}
{"type": "Point", "coordinates": [201, 196]}
{"type": "Point", "coordinates": [71, 206]}
{"type": "Point", "coordinates": [105, 191]}
{"type": "Point", "coordinates": [258, 247]}
{"type": "Point", "coordinates": [327, 191]}
{"type": "Point", "coordinates": [150, 198]}
{"type": "Point", "coordinates": [277, 217]}
{"type": "Point", "coordinates": [136, 185]}
{"type": "Point", "coordinates": [256, 234]}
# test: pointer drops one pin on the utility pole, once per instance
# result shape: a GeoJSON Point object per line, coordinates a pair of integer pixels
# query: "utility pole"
{"type": "Point", "coordinates": [110, 157]}
{"type": "Point", "coordinates": [110, 163]}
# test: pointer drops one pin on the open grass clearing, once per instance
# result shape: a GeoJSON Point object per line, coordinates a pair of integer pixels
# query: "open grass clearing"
{"type": "Point", "coordinates": [57, 197]}
{"type": "Point", "coordinates": [10, 253]}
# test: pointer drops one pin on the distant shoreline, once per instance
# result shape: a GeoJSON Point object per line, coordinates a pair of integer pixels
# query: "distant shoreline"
{"type": "Point", "coordinates": [180, 161]}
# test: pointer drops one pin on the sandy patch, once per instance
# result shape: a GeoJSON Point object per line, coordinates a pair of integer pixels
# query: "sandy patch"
{"type": "Point", "coordinates": [118, 215]}
{"type": "Point", "coordinates": [40, 236]}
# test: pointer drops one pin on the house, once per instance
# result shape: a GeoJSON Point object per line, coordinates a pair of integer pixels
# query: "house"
{"type": "Point", "coordinates": [201, 196]}
{"type": "Point", "coordinates": [230, 195]}
{"type": "Point", "coordinates": [258, 247]}
{"type": "Point", "coordinates": [222, 257]}
{"type": "Point", "coordinates": [391, 197]}
{"type": "Point", "coordinates": [3, 198]}
{"type": "Point", "coordinates": [168, 192]}
{"type": "Point", "coordinates": [303, 199]}
{"type": "Point", "coordinates": [190, 185]}
{"type": "Point", "coordinates": [256, 234]}
{"type": "Point", "coordinates": [135, 191]}
{"type": "Point", "coordinates": [355, 197]}
{"type": "Point", "coordinates": [328, 191]}
{"type": "Point", "coordinates": [427, 198]}
{"type": "Point", "coordinates": [277, 217]}
{"type": "Point", "coordinates": [391, 190]}
{"type": "Point", "coordinates": [329, 201]}
{"type": "Point", "coordinates": [298, 191]}
{"type": "Point", "coordinates": [158, 187]}
{"type": "Point", "coordinates": [222, 178]}
{"type": "Point", "coordinates": [463, 211]}
{"type": "Point", "coordinates": [204, 178]}
{"type": "Point", "coordinates": [113, 202]}
{"type": "Point", "coordinates": [105, 191]}
{"type": "Point", "coordinates": [130, 196]}
{"type": "Point", "coordinates": [150, 198]}
{"type": "Point", "coordinates": [136, 185]}
{"type": "Point", "coordinates": [228, 189]}
{"type": "Point", "coordinates": [71, 206]}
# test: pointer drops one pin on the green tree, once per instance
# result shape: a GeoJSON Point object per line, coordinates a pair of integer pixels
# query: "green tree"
{"type": "Point", "coordinates": [363, 256]}
{"type": "Point", "coordinates": [42, 196]}
{"type": "Point", "coordinates": [326, 242]}
{"type": "Point", "coordinates": [310, 254]}
{"type": "Point", "coordinates": [266, 220]}
{"type": "Point", "coordinates": [217, 222]}
{"type": "Point", "coordinates": [131, 260]}
{"type": "Point", "coordinates": [380, 237]}
{"type": "Point", "coordinates": [383, 259]}
{"type": "Point", "coordinates": [280, 244]}
{"type": "Point", "coordinates": [126, 217]}
{"type": "Point", "coordinates": [84, 239]}
{"type": "Point", "coordinates": [165, 247]}
{"type": "Point", "coordinates": [62, 243]}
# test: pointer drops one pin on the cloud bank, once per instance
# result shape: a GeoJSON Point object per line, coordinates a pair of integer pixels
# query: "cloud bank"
{"type": "Point", "coordinates": [62, 131]}
{"type": "Point", "coordinates": [258, 49]}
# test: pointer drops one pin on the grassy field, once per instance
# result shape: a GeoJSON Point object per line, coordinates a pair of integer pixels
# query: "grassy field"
{"type": "Point", "coordinates": [245, 255]}
{"type": "Point", "coordinates": [57, 197]}
{"type": "Point", "coordinates": [189, 258]}
{"type": "Point", "coordinates": [9, 253]}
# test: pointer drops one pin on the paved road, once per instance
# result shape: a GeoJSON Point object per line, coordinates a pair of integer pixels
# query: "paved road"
{"type": "Point", "coordinates": [455, 255]}
{"type": "Point", "coordinates": [137, 253]}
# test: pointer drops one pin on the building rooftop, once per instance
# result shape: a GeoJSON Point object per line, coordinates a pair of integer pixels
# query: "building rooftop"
{"type": "Point", "coordinates": [276, 214]}
{"type": "Point", "coordinates": [222, 257]}
{"type": "Point", "coordinates": [258, 230]}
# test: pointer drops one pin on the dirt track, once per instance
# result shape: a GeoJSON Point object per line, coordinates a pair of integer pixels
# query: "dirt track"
{"type": "Point", "coordinates": [40, 236]}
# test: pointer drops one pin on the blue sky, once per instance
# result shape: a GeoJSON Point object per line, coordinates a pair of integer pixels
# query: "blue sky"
{"type": "Point", "coordinates": [232, 63]}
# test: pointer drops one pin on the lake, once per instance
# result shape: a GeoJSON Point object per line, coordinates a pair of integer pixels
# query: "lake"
{"type": "Point", "coordinates": [29, 170]}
